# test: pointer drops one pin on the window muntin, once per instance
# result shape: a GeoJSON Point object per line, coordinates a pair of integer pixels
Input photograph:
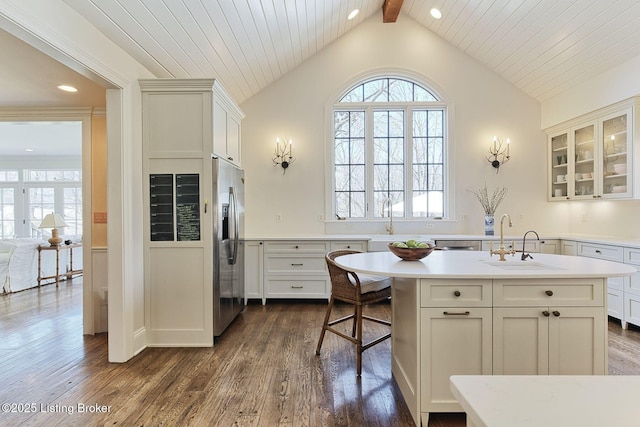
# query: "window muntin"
{"type": "Point", "coordinates": [26, 196]}
{"type": "Point", "coordinates": [394, 151]}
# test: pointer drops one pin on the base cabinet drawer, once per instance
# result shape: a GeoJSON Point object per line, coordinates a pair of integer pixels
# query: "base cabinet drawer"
{"type": "Point", "coordinates": [284, 264]}
{"type": "Point", "coordinates": [558, 292]}
{"type": "Point", "coordinates": [287, 287]}
{"type": "Point", "coordinates": [455, 293]}
{"type": "Point", "coordinates": [338, 245]}
{"type": "Point", "coordinates": [606, 252]}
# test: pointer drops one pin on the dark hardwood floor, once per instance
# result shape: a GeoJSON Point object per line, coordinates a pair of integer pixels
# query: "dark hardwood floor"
{"type": "Point", "coordinates": [262, 372]}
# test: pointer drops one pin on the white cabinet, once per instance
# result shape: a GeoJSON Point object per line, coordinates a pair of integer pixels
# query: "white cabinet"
{"type": "Point", "coordinates": [226, 127]}
{"type": "Point", "coordinates": [353, 245]}
{"type": "Point", "coordinates": [489, 327]}
{"type": "Point", "coordinates": [631, 289]}
{"type": "Point", "coordinates": [554, 327]}
{"type": "Point", "coordinates": [615, 285]}
{"type": "Point", "coordinates": [178, 128]}
{"type": "Point", "coordinates": [533, 245]}
{"type": "Point", "coordinates": [592, 156]}
{"type": "Point", "coordinates": [568, 247]}
{"type": "Point", "coordinates": [296, 269]}
{"type": "Point", "coordinates": [253, 264]}
{"type": "Point", "coordinates": [455, 336]}
{"type": "Point", "coordinates": [453, 342]}
{"type": "Point", "coordinates": [548, 341]}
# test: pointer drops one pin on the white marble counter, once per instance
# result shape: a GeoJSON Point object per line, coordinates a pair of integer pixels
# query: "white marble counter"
{"type": "Point", "coordinates": [550, 401]}
{"type": "Point", "coordinates": [605, 240]}
{"type": "Point", "coordinates": [479, 265]}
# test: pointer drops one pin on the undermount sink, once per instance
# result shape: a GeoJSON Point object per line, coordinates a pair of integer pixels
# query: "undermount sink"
{"type": "Point", "coordinates": [521, 265]}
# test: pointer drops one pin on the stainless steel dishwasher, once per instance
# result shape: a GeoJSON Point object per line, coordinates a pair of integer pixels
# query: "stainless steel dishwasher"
{"type": "Point", "coordinates": [459, 245]}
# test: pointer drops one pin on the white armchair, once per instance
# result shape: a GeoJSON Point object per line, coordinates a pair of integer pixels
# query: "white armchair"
{"type": "Point", "coordinates": [5, 256]}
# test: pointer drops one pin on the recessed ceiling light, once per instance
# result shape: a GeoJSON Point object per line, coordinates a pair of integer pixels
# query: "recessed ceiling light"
{"type": "Point", "coordinates": [28, 150]}
{"type": "Point", "coordinates": [353, 14]}
{"type": "Point", "coordinates": [67, 88]}
{"type": "Point", "coordinates": [436, 13]}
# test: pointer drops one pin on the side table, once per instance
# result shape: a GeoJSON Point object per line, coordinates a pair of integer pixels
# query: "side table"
{"type": "Point", "coordinates": [68, 274]}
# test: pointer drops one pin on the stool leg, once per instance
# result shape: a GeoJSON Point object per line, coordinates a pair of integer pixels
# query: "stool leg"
{"type": "Point", "coordinates": [324, 325]}
{"type": "Point", "coordinates": [359, 338]}
{"type": "Point", "coordinates": [355, 321]}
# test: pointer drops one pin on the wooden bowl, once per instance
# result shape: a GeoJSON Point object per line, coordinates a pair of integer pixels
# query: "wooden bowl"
{"type": "Point", "coordinates": [410, 254]}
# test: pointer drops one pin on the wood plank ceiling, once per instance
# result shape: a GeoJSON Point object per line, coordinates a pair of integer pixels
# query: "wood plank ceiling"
{"type": "Point", "coordinates": [543, 47]}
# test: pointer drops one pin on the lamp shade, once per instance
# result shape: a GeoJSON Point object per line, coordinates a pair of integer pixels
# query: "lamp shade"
{"type": "Point", "coordinates": [53, 220]}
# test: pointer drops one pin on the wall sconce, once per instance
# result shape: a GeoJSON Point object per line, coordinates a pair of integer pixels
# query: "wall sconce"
{"type": "Point", "coordinates": [499, 154]}
{"type": "Point", "coordinates": [282, 155]}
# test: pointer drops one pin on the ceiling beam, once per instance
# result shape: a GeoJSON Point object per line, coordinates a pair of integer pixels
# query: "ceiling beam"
{"type": "Point", "coordinates": [390, 10]}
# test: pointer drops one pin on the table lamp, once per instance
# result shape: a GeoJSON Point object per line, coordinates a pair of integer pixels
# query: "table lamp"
{"type": "Point", "coordinates": [53, 221]}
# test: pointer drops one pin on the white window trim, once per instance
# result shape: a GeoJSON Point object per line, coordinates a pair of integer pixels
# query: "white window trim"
{"type": "Point", "coordinates": [449, 152]}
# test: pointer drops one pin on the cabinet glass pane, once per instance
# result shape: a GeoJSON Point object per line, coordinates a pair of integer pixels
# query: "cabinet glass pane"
{"type": "Point", "coordinates": [559, 169]}
{"type": "Point", "coordinates": [584, 149]}
{"type": "Point", "coordinates": [614, 159]}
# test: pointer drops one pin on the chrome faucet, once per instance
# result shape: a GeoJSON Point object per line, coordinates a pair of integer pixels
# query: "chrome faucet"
{"type": "Point", "coordinates": [389, 227]}
{"type": "Point", "coordinates": [524, 240]}
{"type": "Point", "coordinates": [501, 250]}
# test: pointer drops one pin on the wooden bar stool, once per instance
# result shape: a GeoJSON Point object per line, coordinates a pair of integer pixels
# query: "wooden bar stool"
{"type": "Point", "coordinates": [359, 290]}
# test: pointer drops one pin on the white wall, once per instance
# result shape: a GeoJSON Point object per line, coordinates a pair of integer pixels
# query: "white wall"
{"type": "Point", "coordinates": [482, 104]}
{"type": "Point", "coordinates": [610, 218]}
{"type": "Point", "coordinates": [53, 27]}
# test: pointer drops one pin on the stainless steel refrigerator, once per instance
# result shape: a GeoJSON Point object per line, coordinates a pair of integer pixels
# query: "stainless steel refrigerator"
{"type": "Point", "coordinates": [228, 241]}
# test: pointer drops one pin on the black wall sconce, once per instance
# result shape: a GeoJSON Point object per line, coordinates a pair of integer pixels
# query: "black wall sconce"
{"type": "Point", "coordinates": [282, 154]}
{"type": "Point", "coordinates": [499, 155]}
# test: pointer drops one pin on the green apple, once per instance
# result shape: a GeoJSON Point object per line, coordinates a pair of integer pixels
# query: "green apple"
{"type": "Point", "coordinates": [423, 245]}
{"type": "Point", "coordinates": [412, 243]}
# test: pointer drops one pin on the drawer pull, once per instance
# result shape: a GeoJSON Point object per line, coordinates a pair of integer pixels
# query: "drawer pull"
{"type": "Point", "coordinates": [598, 252]}
{"type": "Point", "coordinates": [549, 293]}
{"type": "Point", "coordinates": [545, 313]}
{"type": "Point", "coordinates": [456, 293]}
{"type": "Point", "coordinates": [296, 246]}
{"type": "Point", "coordinates": [556, 313]}
{"type": "Point", "coordinates": [448, 313]}
{"type": "Point", "coordinates": [297, 265]}
{"type": "Point", "coordinates": [297, 286]}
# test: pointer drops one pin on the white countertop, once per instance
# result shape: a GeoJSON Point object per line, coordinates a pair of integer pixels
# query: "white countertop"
{"type": "Point", "coordinates": [479, 265]}
{"type": "Point", "coordinates": [549, 401]}
{"type": "Point", "coordinates": [604, 240]}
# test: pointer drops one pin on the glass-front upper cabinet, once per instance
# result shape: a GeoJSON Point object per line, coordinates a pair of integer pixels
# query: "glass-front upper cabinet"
{"type": "Point", "coordinates": [592, 156]}
{"type": "Point", "coordinates": [616, 155]}
{"type": "Point", "coordinates": [585, 151]}
{"type": "Point", "coordinates": [559, 149]}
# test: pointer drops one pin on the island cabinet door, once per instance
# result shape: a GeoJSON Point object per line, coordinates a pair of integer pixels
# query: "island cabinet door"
{"type": "Point", "coordinates": [520, 341]}
{"type": "Point", "coordinates": [454, 341]}
{"type": "Point", "coordinates": [577, 341]}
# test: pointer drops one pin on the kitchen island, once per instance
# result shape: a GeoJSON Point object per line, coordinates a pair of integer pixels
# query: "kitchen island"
{"type": "Point", "coordinates": [466, 313]}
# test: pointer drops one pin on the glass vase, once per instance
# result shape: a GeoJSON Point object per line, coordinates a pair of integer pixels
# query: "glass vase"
{"type": "Point", "coordinates": [488, 224]}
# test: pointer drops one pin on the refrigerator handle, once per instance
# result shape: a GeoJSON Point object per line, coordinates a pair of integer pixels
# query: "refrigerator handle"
{"type": "Point", "coordinates": [236, 220]}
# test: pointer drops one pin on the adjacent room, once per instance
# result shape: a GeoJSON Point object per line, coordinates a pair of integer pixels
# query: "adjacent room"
{"type": "Point", "coordinates": [347, 212]}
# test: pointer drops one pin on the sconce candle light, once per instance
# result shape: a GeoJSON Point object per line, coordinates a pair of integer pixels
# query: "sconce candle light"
{"type": "Point", "coordinates": [282, 155]}
{"type": "Point", "coordinates": [499, 154]}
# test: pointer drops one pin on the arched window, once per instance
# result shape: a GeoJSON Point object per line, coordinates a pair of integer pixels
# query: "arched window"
{"type": "Point", "coordinates": [389, 142]}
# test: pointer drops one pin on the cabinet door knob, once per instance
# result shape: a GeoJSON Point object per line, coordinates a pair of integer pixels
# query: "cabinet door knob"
{"type": "Point", "coordinates": [545, 313]}
{"type": "Point", "coordinates": [456, 293]}
{"type": "Point", "coordinates": [549, 293]}
{"type": "Point", "coordinates": [556, 313]}
{"type": "Point", "coordinates": [296, 246]}
{"type": "Point", "coordinates": [230, 158]}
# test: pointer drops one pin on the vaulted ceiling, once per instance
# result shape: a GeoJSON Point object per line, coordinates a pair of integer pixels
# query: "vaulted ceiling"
{"type": "Point", "coordinates": [543, 47]}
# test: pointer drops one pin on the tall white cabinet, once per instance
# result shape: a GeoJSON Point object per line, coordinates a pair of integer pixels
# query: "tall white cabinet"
{"type": "Point", "coordinates": [184, 123]}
